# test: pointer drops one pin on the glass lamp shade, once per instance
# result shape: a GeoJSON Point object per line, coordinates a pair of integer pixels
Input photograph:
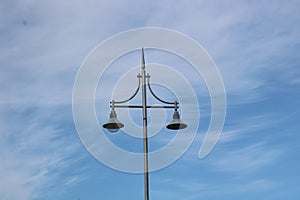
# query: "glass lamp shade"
{"type": "Point", "coordinates": [113, 124]}
{"type": "Point", "coordinates": [176, 123]}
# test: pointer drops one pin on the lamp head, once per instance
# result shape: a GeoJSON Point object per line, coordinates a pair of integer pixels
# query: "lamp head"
{"type": "Point", "coordinates": [176, 123]}
{"type": "Point", "coordinates": [113, 124]}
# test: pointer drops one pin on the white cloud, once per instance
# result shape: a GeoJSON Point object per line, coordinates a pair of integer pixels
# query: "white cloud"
{"type": "Point", "coordinates": [43, 43]}
{"type": "Point", "coordinates": [59, 35]}
{"type": "Point", "coordinates": [247, 159]}
{"type": "Point", "coordinates": [33, 157]}
{"type": "Point", "coordinates": [195, 189]}
{"type": "Point", "coordinates": [243, 37]}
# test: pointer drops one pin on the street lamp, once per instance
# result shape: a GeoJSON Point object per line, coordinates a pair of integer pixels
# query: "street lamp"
{"type": "Point", "coordinates": [113, 124]}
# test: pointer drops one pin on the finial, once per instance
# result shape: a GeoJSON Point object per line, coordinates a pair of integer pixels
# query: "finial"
{"type": "Point", "coordinates": [143, 59]}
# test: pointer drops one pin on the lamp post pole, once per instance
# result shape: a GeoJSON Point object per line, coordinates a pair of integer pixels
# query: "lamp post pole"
{"type": "Point", "coordinates": [144, 104]}
{"type": "Point", "coordinates": [113, 124]}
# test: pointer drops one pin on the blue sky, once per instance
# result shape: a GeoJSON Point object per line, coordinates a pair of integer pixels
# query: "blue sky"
{"type": "Point", "coordinates": [255, 45]}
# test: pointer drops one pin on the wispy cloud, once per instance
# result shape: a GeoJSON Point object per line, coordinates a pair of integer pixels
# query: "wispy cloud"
{"type": "Point", "coordinates": [246, 159]}
{"type": "Point", "coordinates": [244, 38]}
{"type": "Point", "coordinates": [34, 155]}
{"type": "Point", "coordinates": [43, 43]}
{"type": "Point", "coordinates": [193, 190]}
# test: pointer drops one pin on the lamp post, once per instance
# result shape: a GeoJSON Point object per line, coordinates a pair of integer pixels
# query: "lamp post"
{"type": "Point", "coordinates": [113, 124]}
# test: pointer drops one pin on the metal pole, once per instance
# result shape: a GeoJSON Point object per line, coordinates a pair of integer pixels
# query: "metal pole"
{"type": "Point", "coordinates": [144, 102]}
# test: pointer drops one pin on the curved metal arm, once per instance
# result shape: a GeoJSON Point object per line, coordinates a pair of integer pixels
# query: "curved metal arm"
{"type": "Point", "coordinates": [156, 97]}
{"type": "Point", "coordinates": [135, 93]}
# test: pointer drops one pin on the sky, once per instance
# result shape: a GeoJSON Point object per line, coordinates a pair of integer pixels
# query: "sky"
{"type": "Point", "coordinates": [255, 46]}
